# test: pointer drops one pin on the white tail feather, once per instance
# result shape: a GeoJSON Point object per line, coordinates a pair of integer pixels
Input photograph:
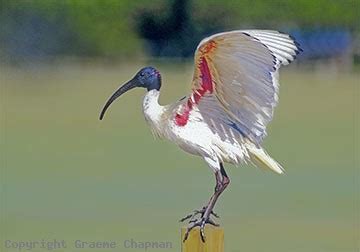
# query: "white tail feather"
{"type": "Point", "coordinates": [261, 159]}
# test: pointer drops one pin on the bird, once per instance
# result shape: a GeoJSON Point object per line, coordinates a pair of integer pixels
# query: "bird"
{"type": "Point", "coordinates": [235, 89]}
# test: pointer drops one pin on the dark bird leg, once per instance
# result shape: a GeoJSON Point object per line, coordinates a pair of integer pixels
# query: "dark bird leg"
{"type": "Point", "coordinates": [222, 181]}
{"type": "Point", "coordinates": [201, 211]}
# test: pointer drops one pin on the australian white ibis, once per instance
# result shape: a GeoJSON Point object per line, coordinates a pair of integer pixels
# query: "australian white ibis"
{"type": "Point", "coordinates": [234, 93]}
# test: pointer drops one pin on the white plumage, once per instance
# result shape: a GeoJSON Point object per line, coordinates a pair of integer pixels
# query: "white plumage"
{"type": "Point", "coordinates": [227, 121]}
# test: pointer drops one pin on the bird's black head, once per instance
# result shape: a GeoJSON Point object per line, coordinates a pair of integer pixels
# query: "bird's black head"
{"type": "Point", "coordinates": [147, 77]}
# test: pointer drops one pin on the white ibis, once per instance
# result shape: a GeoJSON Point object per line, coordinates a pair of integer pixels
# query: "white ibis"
{"type": "Point", "coordinates": [234, 92]}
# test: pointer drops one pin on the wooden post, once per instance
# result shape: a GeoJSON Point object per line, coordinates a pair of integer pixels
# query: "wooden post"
{"type": "Point", "coordinates": [214, 240]}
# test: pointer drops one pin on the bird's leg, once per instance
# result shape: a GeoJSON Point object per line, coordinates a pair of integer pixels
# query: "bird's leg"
{"type": "Point", "coordinates": [201, 211]}
{"type": "Point", "coordinates": [222, 181]}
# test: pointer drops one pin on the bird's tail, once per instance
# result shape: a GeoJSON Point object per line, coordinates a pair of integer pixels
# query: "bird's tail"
{"type": "Point", "coordinates": [261, 159]}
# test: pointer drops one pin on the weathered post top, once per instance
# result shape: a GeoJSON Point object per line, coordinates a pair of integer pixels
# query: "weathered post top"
{"type": "Point", "coordinates": [214, 240]}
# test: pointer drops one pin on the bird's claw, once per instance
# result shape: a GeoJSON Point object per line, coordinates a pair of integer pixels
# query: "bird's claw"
{"type": "Point", "coordinates": [195, 222]}
{"type": "Point", "coordinates": [192, 215]}
{"type": "Point", "coordinates": [199, 223]}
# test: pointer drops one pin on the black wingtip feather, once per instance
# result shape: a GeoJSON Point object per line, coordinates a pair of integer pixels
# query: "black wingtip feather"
{"type": "Point", "coordinates": [297, 44]}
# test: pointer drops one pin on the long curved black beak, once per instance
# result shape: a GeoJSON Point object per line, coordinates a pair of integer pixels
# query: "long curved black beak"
{"type": "Point", "coordinates": [124, 88]}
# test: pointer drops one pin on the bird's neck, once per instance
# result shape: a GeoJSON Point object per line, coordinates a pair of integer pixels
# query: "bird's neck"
{"type": "Point", "coordinates": [154, 112]}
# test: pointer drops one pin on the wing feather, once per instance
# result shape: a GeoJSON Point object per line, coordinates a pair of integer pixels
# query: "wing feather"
{"type": "Point", "coordinates": [242, 67]}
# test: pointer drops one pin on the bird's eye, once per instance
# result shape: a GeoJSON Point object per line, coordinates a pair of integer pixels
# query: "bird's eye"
{"type": "Point", "coordinates": [142, 74]}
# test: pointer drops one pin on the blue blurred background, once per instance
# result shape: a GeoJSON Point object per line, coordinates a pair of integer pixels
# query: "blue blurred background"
{"type": "Point", "coordinates": [116, 30]}
{"type": "Point", "coordinates": [66, 175]}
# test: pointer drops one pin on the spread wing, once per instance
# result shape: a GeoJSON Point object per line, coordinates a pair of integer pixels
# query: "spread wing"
{"type": "Point", "coordinates": [240, 69]}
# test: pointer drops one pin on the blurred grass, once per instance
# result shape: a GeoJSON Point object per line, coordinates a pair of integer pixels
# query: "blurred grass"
{"type": "Point", "coordinates": [66, 175]}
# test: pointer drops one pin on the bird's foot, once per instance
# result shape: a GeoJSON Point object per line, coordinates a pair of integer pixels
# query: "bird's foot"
{"type": "Point", "coordinates": [199, 223]}
{"type": "Point", "coordinates": [191, 216]}
{"type": "Point", "coordinates": [195, 222]}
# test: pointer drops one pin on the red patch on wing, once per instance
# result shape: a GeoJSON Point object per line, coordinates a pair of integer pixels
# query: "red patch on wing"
{"type": "Point", "coordinates": [206, 86]}
{"type": "Point", "coordinates": [208, 47]}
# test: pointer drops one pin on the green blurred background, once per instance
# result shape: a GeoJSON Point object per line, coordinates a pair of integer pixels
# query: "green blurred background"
{"type": "Point", "coordinates": [66, 175]}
